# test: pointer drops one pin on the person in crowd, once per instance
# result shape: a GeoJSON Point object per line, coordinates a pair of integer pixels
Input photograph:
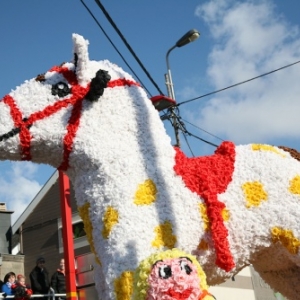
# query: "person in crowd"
{"type": "Point", "coordinates": [9, 280]}
{"type": "Point", "coordinates": [58, 282]}
{"type": "Point", "coordinates": [39, 278]}
{"type": "Point", "coordinates": [22, 291]}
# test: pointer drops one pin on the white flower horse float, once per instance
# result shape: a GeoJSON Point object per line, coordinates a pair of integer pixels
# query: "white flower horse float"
{"type": "Point", "coordinates": [151, 213]}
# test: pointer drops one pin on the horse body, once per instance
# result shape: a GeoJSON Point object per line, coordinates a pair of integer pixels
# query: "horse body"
{"type": "Point", "coordinates": [137, 194]}
{"type": "Point", "coordinates": [130, 147]}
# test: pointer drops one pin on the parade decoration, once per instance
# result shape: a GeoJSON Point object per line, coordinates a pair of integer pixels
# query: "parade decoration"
{"type": "Point", "coordinates": [171, 274]}
{"type": "Point", "coordinates": [139, 197]}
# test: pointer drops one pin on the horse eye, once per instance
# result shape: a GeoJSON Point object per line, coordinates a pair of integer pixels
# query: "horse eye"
{"type": "Point", "coordinates": [60, 89]}
{"type": "Point", "coordinates": [165, 272]}
{"type": "Point", "coordinates": [184, 266]}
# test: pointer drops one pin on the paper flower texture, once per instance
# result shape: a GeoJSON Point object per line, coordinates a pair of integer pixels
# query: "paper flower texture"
{"type": "Point", "coordinates": [139, 196]}
{"type": "Point", "coordinates": [171, 274]}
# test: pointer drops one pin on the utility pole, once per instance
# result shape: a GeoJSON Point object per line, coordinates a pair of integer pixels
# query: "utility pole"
{"type": "Point", "coordinates": [190, 36]}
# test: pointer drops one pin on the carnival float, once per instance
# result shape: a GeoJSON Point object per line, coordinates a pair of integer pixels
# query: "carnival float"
{"type": "Point", "coordinates": [160, 224]}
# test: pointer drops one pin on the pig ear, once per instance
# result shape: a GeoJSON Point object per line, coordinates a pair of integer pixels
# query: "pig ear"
{"type": "Point", "coordinates": [81, 58]}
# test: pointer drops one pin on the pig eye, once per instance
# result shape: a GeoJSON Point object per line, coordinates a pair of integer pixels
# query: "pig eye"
{"type": "Point", "coordinates": [165, 272]}
{"type": "Point", "coordinates": [185, 267]}
{"type": "Point", "coordinates": [61, 89]}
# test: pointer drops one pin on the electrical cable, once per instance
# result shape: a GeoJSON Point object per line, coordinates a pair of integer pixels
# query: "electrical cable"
{"type": "Point", "coordinates": [149, 76]}
{"type": "Point", "coordinates": [236, 84]}
{"type": "Point", "coordinates": [203, 130]}
{"type": "Point", "coordinates": [127, 45]}
{"type": "Point", "coordinates": [205, 141]}
{"type": "Point", "coordinates": [184, 102]}
{"type": "Point", "coordinates": [99, 25]}
{"type": "Point", "coordinates": [186, 141]}
{"type": "Point", "coordinates": [182, 128]}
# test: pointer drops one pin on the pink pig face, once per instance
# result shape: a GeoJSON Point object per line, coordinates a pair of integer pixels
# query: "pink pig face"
{"type": "Point", "coordinates": [174, 278]}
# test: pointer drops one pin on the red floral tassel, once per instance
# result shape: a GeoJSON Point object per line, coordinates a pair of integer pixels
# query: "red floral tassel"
{"type": "Point", "coordinates": [209, 176]}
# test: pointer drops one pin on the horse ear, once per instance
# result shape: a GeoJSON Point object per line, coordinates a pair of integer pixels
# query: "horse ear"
{"type": "Point", "coordinates": [81, 58]}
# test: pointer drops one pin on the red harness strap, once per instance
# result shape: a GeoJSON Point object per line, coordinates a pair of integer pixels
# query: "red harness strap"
{"type": "Point", "coordinates": [24, 134]}
{"type": "Point", "coordinates": [77, 96]}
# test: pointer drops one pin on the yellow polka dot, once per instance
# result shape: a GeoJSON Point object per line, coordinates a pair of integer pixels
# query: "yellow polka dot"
{"type": "Point", "coordinates": [146, 193]}
{"type": "Point", "coordinates": [261, 147]}
{"type": "Point", "coordinates": [225, 214]}
{"type": "Point", "coordinates": [203, 212]}
{"type": "Point", "coordinates": [110, 219]}
{"type": "Point", "coordinates": [204, 216]}
{"type": "Point", "coordinates": [254, 193]}
{"type": "Point", "coordinates": [295, 185]}
{"type": "Point", "coordinates": [124, 286]}
{"type": "Point", "coordinates": [286, 238]}
{"type": "Point", "coordinates": [88, 227]}
{"type": "Point", "coordinates": [164, 236]}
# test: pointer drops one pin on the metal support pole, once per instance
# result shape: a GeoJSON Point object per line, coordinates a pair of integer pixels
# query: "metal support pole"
{"type": "Point", "coordinates": [176, 126]}
{"type": "Point", "coordinates": [190, 36]}
{"type": "Point", "coordinates": [171, 94]}
{"type": "Point", "coordinates": [67, 232]}
{"type": "Point", "coordinates": [169, 82]}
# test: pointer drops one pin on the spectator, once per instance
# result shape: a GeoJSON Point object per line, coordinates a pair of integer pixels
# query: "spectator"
{"type": "Point", "coordinates": [21, 290]}
{"type": "Point", "coordinates": [9, 280]}
{"type": "Point", "coordinates": [39, 278]}
{"type": "Point", "coordinates": [58, 282]}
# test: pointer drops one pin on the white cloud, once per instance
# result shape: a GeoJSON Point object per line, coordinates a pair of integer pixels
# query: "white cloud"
{"type": "Point", "coordinates": [190, 90]}
{"type": "Point", "coordinates": [251, 38]}
{"type": "Point", "coordinates": [18, 187]}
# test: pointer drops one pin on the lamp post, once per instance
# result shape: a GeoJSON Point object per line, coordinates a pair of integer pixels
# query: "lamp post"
{"type": "Point", "coordinates": [189, 37]}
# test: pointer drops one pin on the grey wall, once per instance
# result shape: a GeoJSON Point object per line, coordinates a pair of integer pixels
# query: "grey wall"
{"type": "Point", "coordinates": [5, 231]}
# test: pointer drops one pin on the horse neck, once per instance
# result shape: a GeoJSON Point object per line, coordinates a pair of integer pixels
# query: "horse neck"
{"type": "Point", "coordinates": [123, 137]}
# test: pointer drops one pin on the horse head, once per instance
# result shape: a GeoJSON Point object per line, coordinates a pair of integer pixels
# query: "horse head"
{"type": "Point", "coordinates": [39, 119]}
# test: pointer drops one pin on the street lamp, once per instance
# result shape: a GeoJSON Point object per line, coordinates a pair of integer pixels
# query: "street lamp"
{"type": "Point", "coordinates": [189, 37]}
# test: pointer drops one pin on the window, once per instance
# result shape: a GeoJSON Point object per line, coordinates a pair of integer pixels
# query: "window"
{"type": "Point", "coordinates": [79, 234]}
{"type": "Point", "coordinates": [78, 230]}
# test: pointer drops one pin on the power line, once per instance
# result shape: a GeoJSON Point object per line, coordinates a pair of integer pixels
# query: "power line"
{"type": "Point", "coordinates": [111, 42]}
{"type": "Point", "coordinates": [202, 130]}
{"type": "Point", "coordinates": [154, 83]}
{"type": "Point", "coordinates": [236, 84]}
{"type": "Point", "coordinates": [182, 128]}
{"type": "Point", "coordinates": [174, 117]}
{"type": "Point", "coordinates": [97, 22]}
{"type": "Point", "coordinates": [127, 45]}
{"type": "Point", "coordinates": [187, 142]}
{"type": "Point", "coordinates": [203, 140]}
{"type": "Point", "coordinates": [245, 81]}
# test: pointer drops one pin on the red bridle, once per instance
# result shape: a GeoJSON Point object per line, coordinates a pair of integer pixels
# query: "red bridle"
{"type": "Point", "coordinates": [76, 99]}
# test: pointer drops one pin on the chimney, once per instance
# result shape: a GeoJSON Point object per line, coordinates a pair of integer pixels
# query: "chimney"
{"type": "Point", "coordinates": [2, 206]}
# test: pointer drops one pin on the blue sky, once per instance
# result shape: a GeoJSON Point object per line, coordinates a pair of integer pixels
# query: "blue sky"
{"type": "Point", "coordinates": [239, 40]}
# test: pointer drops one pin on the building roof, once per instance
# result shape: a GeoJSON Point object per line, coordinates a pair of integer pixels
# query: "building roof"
{"type": "Point", "coordinates": [36, 200]}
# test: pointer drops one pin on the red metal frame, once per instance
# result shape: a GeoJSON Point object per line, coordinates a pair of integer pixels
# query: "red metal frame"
{"type": "Point", "coordinates": [67, 233]}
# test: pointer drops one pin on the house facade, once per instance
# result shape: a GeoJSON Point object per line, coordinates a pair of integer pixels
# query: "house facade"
{"type": "Point", "coordinates": [38, 232]}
